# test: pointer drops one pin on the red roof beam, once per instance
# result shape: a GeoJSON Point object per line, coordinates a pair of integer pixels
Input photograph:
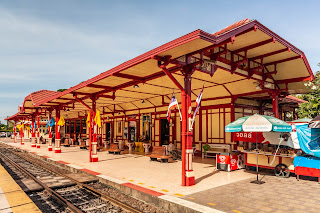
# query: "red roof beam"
{"type": "Point", "coordinates": [252, 46]}
{"type": "Point", "coordinates": [283, 60]}
{"type": "Point", "coordinates": [99, 86]}
{"type": "Point", "coordinates": [269, 54]}
{"type": "Point", "coordinates": [293, 80]}
{"type": "Point", "coordinates": [127, 76]}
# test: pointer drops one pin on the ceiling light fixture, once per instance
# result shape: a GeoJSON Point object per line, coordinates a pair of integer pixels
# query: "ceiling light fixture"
{"type": "Point", "coordinates": [143, 102]}
{"type": "Point", "coordinates": [136, 86]}
{"type": "Point", "coordinates": [67, 110]}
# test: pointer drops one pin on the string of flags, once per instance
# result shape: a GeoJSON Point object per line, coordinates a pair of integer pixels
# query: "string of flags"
{"type": "Point", "coordinates": [174, 104]}
{"type": "Point", "coordinates": [198, 104]}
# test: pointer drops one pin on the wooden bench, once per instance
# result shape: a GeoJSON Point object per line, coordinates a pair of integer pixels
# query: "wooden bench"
{"type": "Point", "coordinates": [159, 152]}
{"type": "Point", "coordinates": [114, 149]}
{"type": "Point", "coordinates": [65, 143]}
{"type": "Point", "coordinates": [219, 148]}
{"type": "Point", "coordinates": [83, 144]}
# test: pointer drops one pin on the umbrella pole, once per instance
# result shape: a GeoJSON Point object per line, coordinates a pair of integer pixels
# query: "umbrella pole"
{"type": "Point", "coordinates": [257, 167]}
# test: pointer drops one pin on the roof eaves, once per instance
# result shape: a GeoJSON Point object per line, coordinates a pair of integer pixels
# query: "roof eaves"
{"type": "Point", "coordinates": [144, 57]}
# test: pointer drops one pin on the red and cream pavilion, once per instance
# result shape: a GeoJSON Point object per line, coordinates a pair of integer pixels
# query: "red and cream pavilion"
{"type": "Point", "coordinates": [245, 68]}
{"type": "Point", "coordinates": [29, 115]}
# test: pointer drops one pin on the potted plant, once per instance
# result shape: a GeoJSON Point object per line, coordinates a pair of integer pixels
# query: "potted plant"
{"type": "Point", "coordinates": [205, 148]}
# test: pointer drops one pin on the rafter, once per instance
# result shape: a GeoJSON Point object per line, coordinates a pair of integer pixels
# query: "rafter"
{"type": "Point", "coordinates": [269, 54]}
{"type": "Point", "coordinates": [127, 76]}
{"type": "Point", "coordinates": [252, 46]}
{"type": "Point", "coordinates": [283, 60]}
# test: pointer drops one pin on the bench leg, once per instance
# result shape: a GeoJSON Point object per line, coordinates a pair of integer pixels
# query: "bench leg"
{"type": "Point", "coordinates": [153, 159]}
{"type": "Point", "coordinates": [164, 161]}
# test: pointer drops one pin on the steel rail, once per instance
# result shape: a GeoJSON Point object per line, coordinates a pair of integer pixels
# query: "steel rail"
{"type": "Point", "coordinates": [58, 197]}
{"type": "Point", "coordinates": [85, 186]}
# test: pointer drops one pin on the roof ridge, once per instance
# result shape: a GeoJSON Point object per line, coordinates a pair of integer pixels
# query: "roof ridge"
{"type": "Point", "coordinates": [232, 26]}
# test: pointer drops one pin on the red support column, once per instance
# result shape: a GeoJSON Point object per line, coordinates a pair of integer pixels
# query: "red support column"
{"type": "Point", "coordinates": [74, 132]}
{"type": "Point", "coordinates": [15, 132]}
{"type": "Point", "coordinates": [80, 128]}
{"type": "Point", "coordinates": [183, 136]}
{"type": "Point", "coordinates": [275, 105]}
{"type": "Point", "coordinates": [22, 135]}
{"type": "Point", "coordinates": [38, 131]}
{"type": "Point", "coordinates": [233, 115]}
{"type": "Point", "coordinates": [190, 179]}
{"type": "Point", "coordinates": [33, 133]}
{"type": "Point", "coordinates": [90, 135]}
{"type": "Point", "coordinates": [94, 155]}
{"type": "Point", "coordinates": [57, 148]}
{"type": "Point", "coordinates": [50, 133]}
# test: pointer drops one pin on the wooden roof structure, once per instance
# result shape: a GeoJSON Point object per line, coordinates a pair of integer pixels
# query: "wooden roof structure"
{"type": "Point", "coordinates": [244, 60]}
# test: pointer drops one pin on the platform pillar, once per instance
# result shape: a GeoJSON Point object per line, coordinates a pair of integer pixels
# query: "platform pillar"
{"type": "Point", "coordinates": [94, 144]}
{"type": "Point", "coordinates": [21, 136]}
{"type": "Point", "coordinates": [57, 148]}
{"type": "Point", "coordinates": [190, 179]}
{"type": "Point", "coordinates": [33, 133]}
{"type": "Point", "coordinates": [15, 132]}
{"type": "Point", "coordinates": [275, 104]}
{"type": "Point", "coordinates": [38, 131]}
{"type": "Point", "coordinates": [50, 133]}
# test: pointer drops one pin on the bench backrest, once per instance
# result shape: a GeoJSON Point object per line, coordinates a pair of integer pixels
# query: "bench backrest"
{"type": "Point", "coordinates": [220, 147]}
{"type": "Point", "coordinates": [159, 150]}
{"type": "Point", "coordinates": [113, 146]}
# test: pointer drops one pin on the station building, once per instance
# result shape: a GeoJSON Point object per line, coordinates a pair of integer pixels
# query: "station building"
{"type": "Point", "coordinates": [243, 69]}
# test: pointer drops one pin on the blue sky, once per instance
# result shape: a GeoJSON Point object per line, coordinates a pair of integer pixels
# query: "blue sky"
{"type": "Point", "coordinates": [58, 44]}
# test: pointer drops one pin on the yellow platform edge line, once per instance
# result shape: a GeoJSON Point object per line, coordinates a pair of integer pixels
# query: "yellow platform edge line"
{"type": "Point", "coordinates": [18, 200]}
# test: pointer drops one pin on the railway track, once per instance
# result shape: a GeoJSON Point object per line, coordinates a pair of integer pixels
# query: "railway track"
{"type": "Point", "coordinates": [80, 197]}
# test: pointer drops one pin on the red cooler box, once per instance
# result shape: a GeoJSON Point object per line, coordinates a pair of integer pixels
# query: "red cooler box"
{"type": "Point", "coordinates": [230, 161]}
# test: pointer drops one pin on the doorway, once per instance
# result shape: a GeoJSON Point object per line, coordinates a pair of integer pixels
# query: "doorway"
{"type": "Point", "coordinates": [108, 131]}
{"type": "Point", "coordinates": [164, 129]}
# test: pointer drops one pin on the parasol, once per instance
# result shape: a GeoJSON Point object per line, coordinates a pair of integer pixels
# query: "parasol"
{"type": "Point", "coordinates": [258, 123]}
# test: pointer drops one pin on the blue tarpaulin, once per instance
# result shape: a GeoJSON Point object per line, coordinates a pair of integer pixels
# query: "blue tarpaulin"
{"type": "Point", "coordinates": [309, 139]}
{"type": "Point", "coordinates": [307, 161]}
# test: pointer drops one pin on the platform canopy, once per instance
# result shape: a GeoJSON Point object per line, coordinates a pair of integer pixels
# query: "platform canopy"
{"type": "Point", "coordinates": [30, 101]}
{"type": "Point", "coordinates": [245, 59]}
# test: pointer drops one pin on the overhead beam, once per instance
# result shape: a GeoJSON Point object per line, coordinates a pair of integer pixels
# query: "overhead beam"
{"type": "Point", "coordinates": [269, 54]}
{"type": "Point", "coordinates": [99, 86]}
{"type": "Point", "coordinates": [293, 80]}
{"type": "Point", "coordinates": [283, 60]}
{"type": "Point", "coordinates": [127, 76]}
{"type": "Point", "coordinates": [252, 46]}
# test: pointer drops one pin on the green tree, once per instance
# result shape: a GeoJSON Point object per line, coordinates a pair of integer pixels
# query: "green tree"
{"type": "Point", "coordinates": [312, 108]}
{"type": "Point", "coordinates": [61, 90]}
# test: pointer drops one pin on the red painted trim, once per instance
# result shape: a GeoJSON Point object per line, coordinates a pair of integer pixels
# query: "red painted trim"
{"type": "Point", "coordinates": [283, 60]}
{"type": "Point", "coordinates": [90, 171]}
{"type": "Point", "coordinates": [292, 80]}
{"type": "Point", "coordinates": [269, 54]}
{"type": "Point", "coordinates": [142, 189]}
{"type": "Point", "coordinates": [44, 156]}
{"type": "Point", "coordinates": [62, 162]}
{"type": "Point", "coordinates": [265, 167]}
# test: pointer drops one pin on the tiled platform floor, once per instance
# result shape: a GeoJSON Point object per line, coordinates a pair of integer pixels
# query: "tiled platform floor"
{"type": "Point", "coordinates": [139, 170]}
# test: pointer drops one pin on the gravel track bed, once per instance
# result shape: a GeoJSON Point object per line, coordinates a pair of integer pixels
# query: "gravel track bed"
{"type": "Point", "coordinates": [88, 201]}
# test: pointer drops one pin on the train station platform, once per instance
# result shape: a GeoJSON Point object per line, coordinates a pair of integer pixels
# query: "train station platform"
{"type": "Point", "coordinates": [214, 191]}
{"type": "Point", "coordinates": [12, 197]}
